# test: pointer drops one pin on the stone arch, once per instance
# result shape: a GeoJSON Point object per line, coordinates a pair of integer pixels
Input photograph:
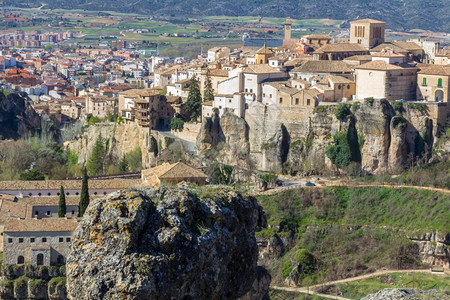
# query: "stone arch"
{"type": "Point", "coordinates": [40, 259]}
{"type": "Point", "coordinates": [439, 95]}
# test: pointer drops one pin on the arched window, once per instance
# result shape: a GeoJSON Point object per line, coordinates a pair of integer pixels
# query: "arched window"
{"type": "Point", "coordinates": [40, 259]}
{"type": "Point", "coordinates": [20, 260]}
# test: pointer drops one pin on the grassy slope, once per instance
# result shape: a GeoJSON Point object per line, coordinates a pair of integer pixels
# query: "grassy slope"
{"type": "Point", "coordinates": [353, 231]}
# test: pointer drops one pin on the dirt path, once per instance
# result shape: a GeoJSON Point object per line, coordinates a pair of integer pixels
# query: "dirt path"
{"type": "Point", "coordinates": [313, 287]}
{"type": "Point", "coordinates": [300, 183]}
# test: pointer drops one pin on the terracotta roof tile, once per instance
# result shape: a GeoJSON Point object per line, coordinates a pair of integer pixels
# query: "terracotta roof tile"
{"type": "Point", "coordinates": [41, 225]}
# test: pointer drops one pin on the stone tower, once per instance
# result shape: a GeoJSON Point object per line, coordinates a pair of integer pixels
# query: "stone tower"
{"type": "Point", "coordinates": [367, 32]}
{"type": "Point", "coordinates": [287, 28]}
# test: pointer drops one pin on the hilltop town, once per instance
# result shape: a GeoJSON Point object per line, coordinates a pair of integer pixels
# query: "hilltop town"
{"type": "Point", "coordinates": [302, 108]}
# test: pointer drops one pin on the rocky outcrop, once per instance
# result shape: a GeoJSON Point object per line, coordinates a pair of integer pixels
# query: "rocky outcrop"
{"type": "Point", "coordinates": [275, 151]}
{"type": "Point", "coordinates": [167, 243]}
{"type": "Point", "coordinates": [17, 117]}
{"type": "Point", "coordinates": [407, 294]}
{"type": "Point", "coordinates": [228, 134]}
{"type": "Point", "coordinates": [122, 138]}
{"type": "Point", "coordinates": [433, 248]}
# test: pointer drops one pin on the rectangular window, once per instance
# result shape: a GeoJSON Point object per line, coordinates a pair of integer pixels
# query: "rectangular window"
{"type": "Point", "coordinates": [296, 101]}
{"type": "Point", "coordinates": [61, 239]}
{"type": "Point", "coordinates": [48, 213]}
{"type": "Point", "coordinates": [264, 94]}
{"type": "Point", "coordinates": [20, 240]}
{"type": "Point", "coordinates": [44, 240]}
{"type": "Point", "coordinates": [10, 240]}
{"type": "Point", "coordinates": [281, 100]}
{"type": "Point", "coordinates": [270, 96]}
{"type": "Point", "coordinates": [424, 83]}
{"type": "Point", "coordinates": [307, 101]}
{"type": "Point", "coordinates": [440, 82]}
{"type": "Point", "coordinates": [31, 240]}
{"type": "Point", "coordinates": [68, 239]}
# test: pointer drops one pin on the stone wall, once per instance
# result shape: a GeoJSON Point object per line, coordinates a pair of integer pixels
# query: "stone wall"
{"type": "Point", "coordinates": [13, 248]}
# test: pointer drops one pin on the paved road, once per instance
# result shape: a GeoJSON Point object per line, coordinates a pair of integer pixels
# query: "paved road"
{"type": "Point", "coordinates": [313, 287]}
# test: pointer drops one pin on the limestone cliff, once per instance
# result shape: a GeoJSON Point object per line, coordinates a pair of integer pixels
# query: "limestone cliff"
{"type": "Point", "coordinates": [17, 117]}
{"type": "Point", "coordinates": [229, 134]}
{"type": "Point", "coordinates": [122, 138]}
{"type": "Point", "coordinates": [389, 140]}
{"type": "Point", "coordinates": [167, 243]}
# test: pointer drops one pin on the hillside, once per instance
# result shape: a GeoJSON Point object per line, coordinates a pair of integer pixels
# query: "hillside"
{"type": "Point", "coordinates": [399, 14]}
{"type": "Point", "coordinates": [346, 232]}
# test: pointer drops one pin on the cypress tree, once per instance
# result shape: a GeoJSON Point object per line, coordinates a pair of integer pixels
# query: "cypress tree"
{"type": "Point", "coordinates": [84, 198]}
{"type": "Point", "coordinates": [194, 100]}
{"type": "Point", "coordinates": [62, 203]}
{"type": "Point", "coordinates": [208, 93]}
{"type": "Point", "coordinates": [95, 161]}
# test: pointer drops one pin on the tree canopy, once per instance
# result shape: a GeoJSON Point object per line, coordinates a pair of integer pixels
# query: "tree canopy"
{"type": "Point", "coordinates": [194, 100]}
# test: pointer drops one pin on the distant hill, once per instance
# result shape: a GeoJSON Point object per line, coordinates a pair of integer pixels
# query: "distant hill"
{"type": "Point", "coordinates": [398, 14]}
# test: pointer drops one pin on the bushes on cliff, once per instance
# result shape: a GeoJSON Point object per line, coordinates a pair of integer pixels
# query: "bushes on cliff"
{"type": "Point", "coordinates": [345, 149]}
{"type": "Point", "coordinates": [342, 111]}
{"type": "Point", "coordinates": [95, 162]}
{"type": "Point", "coordinates": [134, 159]}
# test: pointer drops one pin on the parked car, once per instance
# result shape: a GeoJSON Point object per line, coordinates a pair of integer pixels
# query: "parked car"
{"type": "Point", "coordinates": [310, 184]}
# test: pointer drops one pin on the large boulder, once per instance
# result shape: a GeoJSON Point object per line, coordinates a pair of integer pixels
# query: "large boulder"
{"type": "Point", "coordinates": [167, 243]}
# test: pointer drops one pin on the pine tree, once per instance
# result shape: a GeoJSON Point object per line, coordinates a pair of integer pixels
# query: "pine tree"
{"type": "Point", "coordinates": [95, 161]}
{"type": "Point", "coordinates": [208, 93]}
{"type": "Point", "coordinates": [62, 210]}
{"type": "Point", "coordinates": [194, 100]}
{"type": "Point", "coordinates": [123, 165]}
{"type": "Point", "coordinates": [84, 198]}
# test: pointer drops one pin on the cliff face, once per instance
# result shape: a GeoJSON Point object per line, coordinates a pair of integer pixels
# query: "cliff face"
{"type": "Point", "coordinates": [229, 134]}
{"type": "Point", "coordinates": [123, 138]}
{"type": "Point", "coordinates": [17, 117]}
{"type": "Point", "coordinates": [167, 244]}
{"type": "Point", "coordinates": [388, 142]}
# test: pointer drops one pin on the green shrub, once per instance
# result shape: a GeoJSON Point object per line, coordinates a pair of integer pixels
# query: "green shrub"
{"type": "Point", "coordinates": [342, 111]}
{"type": "Point", "coordinates": [58, 281]}
{"type": "Point", "coordinates": [305, 259]}
{"type": "Point", "coordinates": [32, 174]}
{"type": "Point", "coordinates": [37, 283]}
{"type": "Point", "coordinates": [418, 106]}
{"type": "Point", "coordinates": [176, 124]}
{"type": "Point", "coordinates": [320, 109]}
{"type": "Point", "coordinates": [21, 281]}
{"type": "Point", "coordinates": [286, 269]}
{"type": "Point", "coordinates": [355, 106]}
{"type": "Point", "coordinates": [369, 100]}
{"type": "Point", "coordinates": [398, 106]}
{"type": "Point", "coordinates": [93, 120]}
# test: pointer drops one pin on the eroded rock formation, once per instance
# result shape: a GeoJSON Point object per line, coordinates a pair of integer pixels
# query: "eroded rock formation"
{"type": "Point", "coordinates": [167, 243]}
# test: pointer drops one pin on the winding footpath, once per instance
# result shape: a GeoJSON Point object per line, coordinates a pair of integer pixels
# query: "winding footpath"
{"type": "Point", "coordinates": [312, 288]}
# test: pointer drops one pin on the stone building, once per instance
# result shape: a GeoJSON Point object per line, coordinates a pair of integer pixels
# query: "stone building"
{"type": "Point", "coordinates": [173, 173]}
{"type": "Point", "coordinates": [262, 55]}
{"type": "Point", "coordinates": [101, 106]}
{"type": "Point", "coordinates": [433, 83]}
{"type": "Point", "coordinates": [41, 242]}
{"type": "Point", "coordinates": [367, 32]}
{"type": "Point", "coordinates": [308, 70]}
{"type": "Point", "coordinates": [339, 51]}
{"type": "Point", "coordinates": [442, 57]}
{"type": "Point", "coordinates": [316, 40]}
{"type": "Point", "coordinates": [382, 80]}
